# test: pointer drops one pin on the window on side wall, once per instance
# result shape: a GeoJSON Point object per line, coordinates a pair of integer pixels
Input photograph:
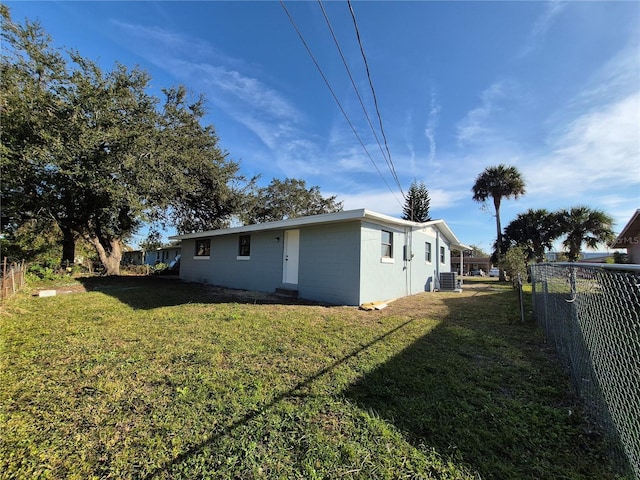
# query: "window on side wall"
{"type": "Point", "coordinates": [244, 247]}
{"type": "Point", "coordinates": [427, 252]}
{"type": "Point", "coordinates": [386, 244]}
{"type": "Point", "coordinates": [442, 255]}
{"type": "Point", "coordinates": [203, 248]}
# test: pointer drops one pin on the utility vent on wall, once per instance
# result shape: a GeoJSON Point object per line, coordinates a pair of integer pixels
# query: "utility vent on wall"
{"type": "Point", "coordinates": [447, 281]}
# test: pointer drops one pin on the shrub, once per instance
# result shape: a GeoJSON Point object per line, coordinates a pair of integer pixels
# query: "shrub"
{"type": "Point", "coordinates": [514, 262]}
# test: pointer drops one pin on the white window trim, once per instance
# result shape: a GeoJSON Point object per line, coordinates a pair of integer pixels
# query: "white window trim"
{"type": "Point", "coordinates": [201, 257]}
{"type": "Point", "coordinates": [240, 257]}
{"type": "Point", "coordinates": [387, 260]}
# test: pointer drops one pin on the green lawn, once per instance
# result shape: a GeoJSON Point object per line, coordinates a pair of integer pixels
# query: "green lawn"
{"type": "Point", "coordinates": [150, 378]}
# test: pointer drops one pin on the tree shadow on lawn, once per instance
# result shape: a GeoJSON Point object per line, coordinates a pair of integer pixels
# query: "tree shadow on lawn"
{"type": "Point", "coordinates": [483, 389]}
{"type": "Point", "coordinates": [149, 292]}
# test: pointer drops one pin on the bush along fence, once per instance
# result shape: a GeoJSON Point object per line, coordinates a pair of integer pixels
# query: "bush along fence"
{"type": "Point", "coordinates": [591, 316]}
{"type": "Point", "coordinates": [12, 278]}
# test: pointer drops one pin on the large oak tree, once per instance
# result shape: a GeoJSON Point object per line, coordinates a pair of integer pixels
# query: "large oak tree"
{"type": "Point", "coordinates": [288, 198]}
{"type": "Point", "coordinates": [97, 154]}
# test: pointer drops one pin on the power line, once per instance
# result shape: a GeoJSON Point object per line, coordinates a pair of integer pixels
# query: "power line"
{"type": "Point", "coordinates": [375, 98]}
{"type": "Point", "coordinates": [353, 83]}
{"type": "Point", "coordinates": [344, 113]}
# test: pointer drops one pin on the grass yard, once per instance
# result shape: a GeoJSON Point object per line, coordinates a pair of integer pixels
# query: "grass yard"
{"type": "Point", "coordinates": [150, 378]}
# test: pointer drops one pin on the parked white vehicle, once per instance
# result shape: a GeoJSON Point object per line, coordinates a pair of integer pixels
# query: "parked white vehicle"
{"type": "Point", "coordinates": [494, 272]}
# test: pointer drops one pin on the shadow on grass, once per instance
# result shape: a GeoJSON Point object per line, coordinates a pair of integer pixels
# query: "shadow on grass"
{"type": "Point", "coordinates": [484, 390]}
{"type": "Point", "coordinates": [481, 389]}
{"type": "Point", "coordinates": [256, 412]}
{"type": "Point", "coordinates": [168, 291]}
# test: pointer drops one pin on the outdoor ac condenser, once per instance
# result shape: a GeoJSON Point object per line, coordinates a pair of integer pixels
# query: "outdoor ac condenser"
{"type": "Point", "coordinates": [447, 280]}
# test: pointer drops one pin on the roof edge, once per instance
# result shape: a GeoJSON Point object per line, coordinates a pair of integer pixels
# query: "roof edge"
{"type": "Point", "coordinates": [342, 216]}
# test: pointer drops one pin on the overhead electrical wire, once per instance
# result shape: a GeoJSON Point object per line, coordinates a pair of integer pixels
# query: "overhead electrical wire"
{"type": "Point", "coordinates": [335, 97]}
{"type": "Point", "coordinates": [375, 98]}
{"type": "Point", "coordinates": [353, 83]}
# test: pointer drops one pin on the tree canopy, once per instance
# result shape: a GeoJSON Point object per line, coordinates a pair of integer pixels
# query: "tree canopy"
{"type": "Point", "coordinates": [289, 198]}
{"type": "Point", "coordinates": [584, 226]}
{"type": "Point", "coordinates": [416, 204]}
{"type": "Point", "coordinates": [534, 231]}
{"type": "Point", "coordinates": [97, 154]}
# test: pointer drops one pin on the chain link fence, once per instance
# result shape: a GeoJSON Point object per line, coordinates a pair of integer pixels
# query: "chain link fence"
{"type": "Point", "coordinates": [591, 316]}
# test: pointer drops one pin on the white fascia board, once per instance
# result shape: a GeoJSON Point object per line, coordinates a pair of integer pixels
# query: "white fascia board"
{"type": "Point", "coordinates": [279, 225]}
{"type": "Point", "coordinates": [619, 241]}
{"type": "Point", "coordinates": [337, 217]}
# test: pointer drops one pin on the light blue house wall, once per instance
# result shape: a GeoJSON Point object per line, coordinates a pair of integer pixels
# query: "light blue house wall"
{"type": "Point", "coordinates": [262, 271]}
{"type": "Point", "coordinates": [340, 257]}
{"type": "Point", "coordinates": [329, 263]}
{"type": "Point", "coordinates": [408, 271]}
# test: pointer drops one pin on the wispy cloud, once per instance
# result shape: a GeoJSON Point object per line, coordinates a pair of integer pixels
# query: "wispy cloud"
{"type": "Point", "coordinates": [226, 81]}
{"type": "Point", "coordinates": [432, 124]}
{"type": "Point", "coordinates": [476, 125]}
{"type": "Point", "coordinates": [386, 202]}
{"type": "Point", "coordinates": [541, 26]}
{"type": "Point", "coordinates": [598, 148]}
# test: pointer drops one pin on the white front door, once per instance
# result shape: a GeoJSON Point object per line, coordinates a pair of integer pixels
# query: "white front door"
{"type": "Point", "coordinates": [290, 259]}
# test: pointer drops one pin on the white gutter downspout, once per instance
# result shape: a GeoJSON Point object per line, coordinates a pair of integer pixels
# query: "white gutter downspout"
{"type": "Point", "coordinates": [436, 273]}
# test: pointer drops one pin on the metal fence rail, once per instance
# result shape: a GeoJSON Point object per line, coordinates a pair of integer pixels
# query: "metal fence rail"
{"type": "Point", "coordinates": [591, 316]}
{"type": "Point", "coordinates": [12, 279]}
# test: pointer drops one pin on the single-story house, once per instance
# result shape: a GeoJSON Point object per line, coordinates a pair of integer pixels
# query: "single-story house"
{"type": "Point", "coordinates": [166, 254]}
{"type": "Point", "coordinates": [345, 258]}
{"type": "Point", "coordinates": [470, 264]}
{"type": "Point", "coordinates": [629, 238]}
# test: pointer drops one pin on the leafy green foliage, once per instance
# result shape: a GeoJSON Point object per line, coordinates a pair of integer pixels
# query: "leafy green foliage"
{"type": "Point", "coordinates": [95, 152]}
{"type": "Point", "coordinates": [416, 204]}
{"type": "Point", "coordinates": [289, 198]}
{"type": "Point", "coordinates": [498, 183]}
{"type": "Point", "coordinates": [535, 231]}
{"type": "Point", "coordinates": [584, 226]}
{"type": "Point", "coordinates": [514, 263]}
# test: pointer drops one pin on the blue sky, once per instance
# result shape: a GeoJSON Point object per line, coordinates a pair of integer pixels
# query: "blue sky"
{"type": "Point", "coordinates": [550, 87]}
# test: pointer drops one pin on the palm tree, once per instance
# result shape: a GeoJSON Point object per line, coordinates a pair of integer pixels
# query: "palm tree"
{"type": "Point", "coordinates": [498, 183]}
{"type": "Point", "coordinates": [535, 230]}
{"type": "Point", "coordinates": [583, 225]}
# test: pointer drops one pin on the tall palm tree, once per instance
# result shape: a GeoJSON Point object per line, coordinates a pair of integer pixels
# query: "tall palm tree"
{"type": "Point", "coordinates": [498, 183]}
{"type": "Point", "coordinates": [583, 225]}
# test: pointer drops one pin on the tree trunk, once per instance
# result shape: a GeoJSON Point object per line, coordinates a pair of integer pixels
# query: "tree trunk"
{"type": "Point", "coordinates": [68, 247]}
{"type": "Point", "coordinates": [110, 258]}
{"type": "Point", "coordinates": [496, 204]}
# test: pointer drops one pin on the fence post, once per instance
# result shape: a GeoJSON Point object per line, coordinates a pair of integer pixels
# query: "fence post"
{"type": "Point", "coordinates": [521, 298]}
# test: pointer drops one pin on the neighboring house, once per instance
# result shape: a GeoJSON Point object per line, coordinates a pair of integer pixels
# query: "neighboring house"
{"type": "Point", "coordinates": [344, 258]}
{"type": "Point", "coordinates": [629, 238]}
{"type": "Point", "coordinates": [132, 257]}
{"type": "Point", "coordinates": [470, 264]}
{"type": "Point", "coordinates": [165, 254]}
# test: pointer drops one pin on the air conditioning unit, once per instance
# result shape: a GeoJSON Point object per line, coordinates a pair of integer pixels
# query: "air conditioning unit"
{"type": "Point", "coordinates": [447, 281]}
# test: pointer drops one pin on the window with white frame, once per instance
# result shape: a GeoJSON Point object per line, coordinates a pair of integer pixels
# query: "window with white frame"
{"type": "Point", "coordinates": [386, 244]}
{"type": "Point", "coordinates": [442, 255]}
{"type": "Point", "coordinates": [427, 252]}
